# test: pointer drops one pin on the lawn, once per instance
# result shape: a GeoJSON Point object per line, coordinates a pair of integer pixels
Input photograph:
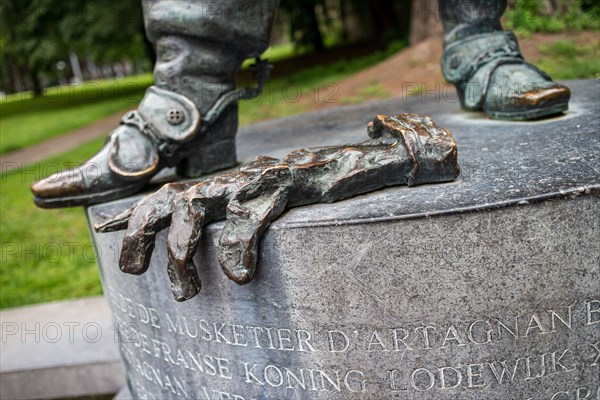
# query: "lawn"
{"type": "Point", "coordinates": [27, 120]}
{"type": "Point", "coordinates": [21, 130]}
{"type": "Point", "coordinates": [46, 254]}
{"type": "Point", "coordinates": [564, 59]}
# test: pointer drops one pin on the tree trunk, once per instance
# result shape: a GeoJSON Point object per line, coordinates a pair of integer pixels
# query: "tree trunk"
{"type": "Point", "coordinates": [38, 90]}
{"type": "Point", "coordinates": [425, 20]}
{"type": "Point", "coordinates": [17, 80]}
{"type": "Point", "coordinates": [316, 37]}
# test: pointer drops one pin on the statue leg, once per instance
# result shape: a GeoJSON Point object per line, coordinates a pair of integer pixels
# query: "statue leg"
{"type": "Point", "coordinates": [188, 119]}
{"type": "Point", "coordinates": [485, 64]}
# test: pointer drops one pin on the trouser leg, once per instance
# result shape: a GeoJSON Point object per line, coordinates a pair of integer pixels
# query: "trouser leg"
{"type": "Point", "coordinates": [200, 47]}
{"type": "Point", "coordinates": [462, 18]}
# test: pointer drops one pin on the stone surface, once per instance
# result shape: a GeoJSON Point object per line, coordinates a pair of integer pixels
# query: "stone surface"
{"type": "Point", "coordinates": [59, 350]}
{"type": "Point", "coordinates": [484, 288]}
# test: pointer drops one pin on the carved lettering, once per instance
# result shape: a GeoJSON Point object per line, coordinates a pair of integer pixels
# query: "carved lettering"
{"type": "Point", "coordinates": [474, 376]}
{"type": "Point", "coordinates": [504, 328]}
{"type": "Point", "coordinates": [596, 348]}
{"type": "Point", "coordinates": [422, 379]}
{"type": "Point", "coordinates": [338, 341]}
{"type": "Point", "coordinates": [425, 333]}
{"type": "Point", "coordinates": [417, 342]}
{"type": "Point", "coordinates": [452, 336]}
{"type": "Point", "coordinates": [499, 373]}
{"type": "Point", "coordinates": [535, 324]}
{"type": "Point", "coordinates": [566, 321]}
{"type": "Point", "coordinates": [450, 378]}
{"type": "Point", "coordinates": [376, 342]}
{"type": "Point", "coordinates": [304, 378]}
{"type": "Point", "coordinates": [354, 381]}
{"type": "Point", "coordinates": [304, 338]}
{"type": "Point", "coordinates": [477, 326]}
{"type": "Point", "coordinates": [400, 339]}
{"type": "Point", "coordinates": [165, 381]}
{"type": "Point", "coordinates": [592, 308]}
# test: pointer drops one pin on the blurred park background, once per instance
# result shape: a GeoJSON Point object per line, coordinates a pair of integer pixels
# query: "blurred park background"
{"type": "Point", "coordinates": [70, 68]}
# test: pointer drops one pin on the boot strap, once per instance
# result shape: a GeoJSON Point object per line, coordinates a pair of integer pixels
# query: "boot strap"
{"type": "Point", "coordinates": [163, 122]}
{"type": "Point", "coordinates": [470, 63]}
{"type": "Point", "coordinates": [463, 58]}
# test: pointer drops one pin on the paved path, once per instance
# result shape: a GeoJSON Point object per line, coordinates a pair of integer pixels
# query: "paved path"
{"type": "Point", "coordinates": [62, 143]}
{"type": "Point", "coordinates": [63, 349]}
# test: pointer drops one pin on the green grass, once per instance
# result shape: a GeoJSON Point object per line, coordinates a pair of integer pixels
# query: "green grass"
{"type": "Point", "coordinates": [372, 90]}
{"type": "Point", "coordinates": [300, 91]}
{"type": "Point", "coordinates": [566, 60]}
{"type": "Point", "coordinates": [527, 16]}
{"type": "Point", "coordinates": [26, 120]}
{"type": "Point", "coordinates": [68, 96]}
{"type": "Point", "coordinates": [275, 53]}
{"type": "Point", "coordinates": [46, 254]}
{"type": "Point", "coordinates": [25, 129]}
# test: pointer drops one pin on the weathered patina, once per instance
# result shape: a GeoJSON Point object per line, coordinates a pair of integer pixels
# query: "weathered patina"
{"type": "Point", "coordinates": [405, 149]}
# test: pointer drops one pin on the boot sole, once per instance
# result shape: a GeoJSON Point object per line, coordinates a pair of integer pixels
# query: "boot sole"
{"type": "Point", "coordinates": [87, 199]}
{"type": "Point", "coordinates": [525, 115]}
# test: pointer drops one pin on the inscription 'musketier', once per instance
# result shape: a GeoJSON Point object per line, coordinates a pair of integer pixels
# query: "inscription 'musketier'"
{"type": "Point", "coordinates": [149, 340]}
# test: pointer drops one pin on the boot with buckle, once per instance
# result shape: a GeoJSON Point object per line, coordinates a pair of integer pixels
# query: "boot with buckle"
{"type": "Point", "coordinates": [487, 68]}
{"type": "Point", "coordinates": [189, 119]}
{"type": "Point", "coordinates": [167, 130]}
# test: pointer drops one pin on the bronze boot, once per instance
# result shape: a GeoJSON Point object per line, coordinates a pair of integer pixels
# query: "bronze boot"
{"type": "Point", "coordinates": [189, 119]}
{"type": "Point", "coordinates": [486, 66]}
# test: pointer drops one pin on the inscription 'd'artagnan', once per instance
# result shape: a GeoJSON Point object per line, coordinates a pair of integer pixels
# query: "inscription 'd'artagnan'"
{"type": "Point", "coordinates": [160, 347]}
{"type": "Point", "coordinates": [475, 331]}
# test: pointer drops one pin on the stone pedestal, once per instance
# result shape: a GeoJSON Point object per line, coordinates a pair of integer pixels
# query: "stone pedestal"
{"type": "Point", "coordinates": [483, 288]}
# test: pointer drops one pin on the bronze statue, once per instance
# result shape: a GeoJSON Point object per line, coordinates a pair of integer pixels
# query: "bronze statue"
{"type": "Point", "coordinates": [189, 119]}
{"type": "Point", "coordinates": [484, 63]}
{"type": "Point", "coordinates": [403, 149]}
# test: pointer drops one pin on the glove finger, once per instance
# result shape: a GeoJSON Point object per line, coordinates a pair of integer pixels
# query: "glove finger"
{"type": "Point", "coordinates": [185, 232]}
{"type": "Point", "coordinates": [117, 222]}
{"type": "Point", "coordinates": [249, 214]}
{"type": "Point", "coordinates": [151, 215]}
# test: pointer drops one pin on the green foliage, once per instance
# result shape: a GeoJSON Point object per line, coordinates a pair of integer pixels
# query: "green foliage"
{"type": "Point", "coordinates": [319, 84]}
{"type": "Point", "coordinates": [303, 22]}
{"type": "Point", "coordinates": [527, 16]}
{"type": "Point", "coordinates": [57, 97]}
{"type": "Point", "coordinates": [108, 30]}
{"type": "Point", "coordinates": [36, 34]}
{"type": "Point", "coordinates": [566, 60]}
{"type": "Point", "coordinates": [22, 130]}
{"type": "Point", "coordinates": [29, 35]}
{"type": "Point", "coordinates": [27, 120]}
{"type": "Point", "coordinates": [312, 23]}
{"type": "Point", "coordinates": [43, 260]}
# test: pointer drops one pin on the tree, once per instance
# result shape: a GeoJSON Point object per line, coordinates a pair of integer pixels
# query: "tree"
{"type": "Point", "coordinates": [303, 23]}
{"type": "Point", "coordinates": [30, 41]}
{"type": "Point", "coordinates": [425, 20]}
{"type": "Point", "coordinates": [36, 34]}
